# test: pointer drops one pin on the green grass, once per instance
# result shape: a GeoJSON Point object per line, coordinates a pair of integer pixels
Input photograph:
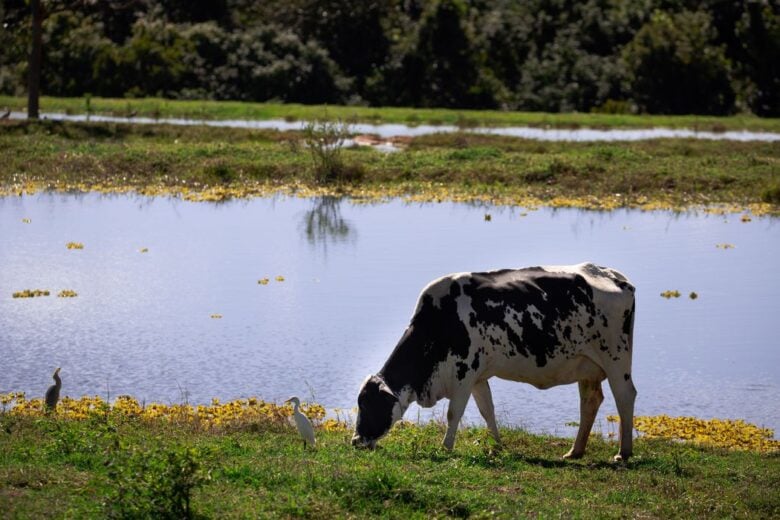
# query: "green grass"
{"type": "Point", "coordinates": [55, 468]}
{"type": "Point", "coordinates": [150, 107]}
{"type": "Point", "coordinates": [156, 158]}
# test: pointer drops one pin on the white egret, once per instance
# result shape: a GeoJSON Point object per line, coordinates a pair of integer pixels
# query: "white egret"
{"type": "Point", "coordinates": [302, 422]}
{"type": "Point", "coordinates": [53, 393]}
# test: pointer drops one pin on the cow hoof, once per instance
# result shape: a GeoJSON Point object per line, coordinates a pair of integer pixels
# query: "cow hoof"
{"type": "Point", "coordinates": [571, 454]}
{"type": "Point", "coordinates": [619, 459]}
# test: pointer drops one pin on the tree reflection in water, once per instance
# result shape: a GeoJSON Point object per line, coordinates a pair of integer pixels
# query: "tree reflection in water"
{"type": "Point", "coordinates": [324, 224]}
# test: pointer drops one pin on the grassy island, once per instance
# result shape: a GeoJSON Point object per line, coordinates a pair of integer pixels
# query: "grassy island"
{"type": "Point", "coordinates": [207, 163]}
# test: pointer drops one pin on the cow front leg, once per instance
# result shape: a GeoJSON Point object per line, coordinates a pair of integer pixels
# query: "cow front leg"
{"type": "Point", "coordinates": [484, 400]}
{"type": "Point", "coordinates": [591, 397]}
{"type": "Point", "coordinates": [454, 414]}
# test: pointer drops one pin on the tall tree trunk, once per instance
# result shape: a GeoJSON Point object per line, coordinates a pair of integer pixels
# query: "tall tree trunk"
{"type": "Point", "coordinates": [34, 72]}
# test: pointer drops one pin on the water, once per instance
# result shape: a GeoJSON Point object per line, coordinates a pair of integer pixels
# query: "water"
{"type": "Point", "coordinates": [394, 130]}
{"type": "Point", "coordinates": [141, 324]}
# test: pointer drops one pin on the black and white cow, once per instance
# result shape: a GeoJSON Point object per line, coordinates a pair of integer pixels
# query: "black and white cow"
{"type": "Point", "coordinates": [545, 326]}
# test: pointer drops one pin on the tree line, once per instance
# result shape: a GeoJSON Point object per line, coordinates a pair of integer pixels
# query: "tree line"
{"type": "Point", "coordinates": [648, 56]}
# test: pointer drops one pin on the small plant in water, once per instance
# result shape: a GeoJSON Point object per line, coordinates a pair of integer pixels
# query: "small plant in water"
{"type": "Point", "coordinates": [324, 139]}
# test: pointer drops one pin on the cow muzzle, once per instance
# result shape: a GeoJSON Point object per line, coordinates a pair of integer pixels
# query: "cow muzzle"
{"type": "Point", "coordinates": [360, 442]}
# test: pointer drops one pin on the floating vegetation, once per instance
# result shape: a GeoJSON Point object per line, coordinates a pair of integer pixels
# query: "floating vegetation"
{"type": "Point", "coordinates": [745, 218]}
{"type": "Point", "coordinates": [693, 295]}
{"type": "Point", "coordinates": [280, 278]}
{"type": "Point", "coordinates": [74, 245]}
{"type": "Point", "coordinates": [216, 316]}
{"type": "Point", "coordinates": [26, 220]}
{"type": "Point", "coordinates": [144, 250]}
{"type": "Point", "coordinates": [725, 246]}
{"type": "Point", "coordinates": [67, 293]}
{"type": "Point", "coordinates": [488, 217]}
{"type": "Point", "coordinates": [671, 294]}
{"type": "Point", "coordinates": [420, 191]}
{"type": "Point", "coordinates": [31, 293]}
{"type": "Point", "coordinates": [233, 414]}
{"type": "Point", "coordinates": [263, 281]}
{"type": "Point", "coordinates": [721, 433]}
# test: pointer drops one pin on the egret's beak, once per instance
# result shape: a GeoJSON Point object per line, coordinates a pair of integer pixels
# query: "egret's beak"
{"type": "Point", "coordinates": [57, 371]}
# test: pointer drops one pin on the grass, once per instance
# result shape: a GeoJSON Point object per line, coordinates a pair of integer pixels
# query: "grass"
{"type": "Point", "coordinates": [203, 109]}
{"type": "Point", "coordinates": [205, 163]}
{"type": "Point", "coordinates": [53, 467]}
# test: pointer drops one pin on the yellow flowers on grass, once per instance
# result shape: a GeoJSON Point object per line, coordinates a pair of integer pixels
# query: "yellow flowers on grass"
{"type": "Point", "coordinates": [232, 414]}
{"type": "Point", "coordinates": [74, 245]}
{"type": "Point", "coordinates": [721, 433]}
{"type": "Point", "coordinates": [67, 293]}
{"type": "Point", "coordinates": [31, 293]}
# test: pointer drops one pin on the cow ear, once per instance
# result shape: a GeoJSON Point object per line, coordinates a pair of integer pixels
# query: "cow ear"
{"type": "Point", "coordinates": [384, 388]}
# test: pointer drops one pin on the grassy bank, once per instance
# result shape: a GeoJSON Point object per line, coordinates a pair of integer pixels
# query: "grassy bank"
{"type": "Point", "coordinates": [166, 108]}
{"type": "Point", "coordinates": [215, 163]}
{"type": "Point", "coordinates": [119, 464]}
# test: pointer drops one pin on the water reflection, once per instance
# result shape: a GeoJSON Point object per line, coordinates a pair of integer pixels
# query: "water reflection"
{"type": "Point", "coordinates": [323, 223]}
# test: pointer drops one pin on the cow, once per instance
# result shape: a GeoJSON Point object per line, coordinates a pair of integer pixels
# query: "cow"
{"type": "Point", "coordinates": [547, 326]}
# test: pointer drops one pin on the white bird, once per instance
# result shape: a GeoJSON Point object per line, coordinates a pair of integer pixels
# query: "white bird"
{"type": "Point", "coordinates": [302, 422]}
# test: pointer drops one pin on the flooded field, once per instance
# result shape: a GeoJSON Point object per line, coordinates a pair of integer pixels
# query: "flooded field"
{"type": "Point", "coordinates": [395, 130]}
{"type": "Point", "coordinates": [273, 297]}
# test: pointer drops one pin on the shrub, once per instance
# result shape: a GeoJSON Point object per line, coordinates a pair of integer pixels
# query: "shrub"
{"type": "Point", "coordinates": [155, 483]}
{"type": "Point", "coordinates": [324, 139]}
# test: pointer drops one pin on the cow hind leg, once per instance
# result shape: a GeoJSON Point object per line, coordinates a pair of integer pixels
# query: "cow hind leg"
{"type": "Point", "coordinates": [484, 400]}
{"type": "Point", "coordinates": [625, 394]}
{"type": "Point", "coordinates": [591, 397]}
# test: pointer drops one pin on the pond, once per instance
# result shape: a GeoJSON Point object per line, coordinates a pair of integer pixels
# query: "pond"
{"type": "Point", "coordinates": [395, 129]}
{"type": "Point", "coordinates": [142, 321]}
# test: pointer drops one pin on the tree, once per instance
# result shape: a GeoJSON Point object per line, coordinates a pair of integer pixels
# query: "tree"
{"type": "Point", "coordinates": [675, 68]}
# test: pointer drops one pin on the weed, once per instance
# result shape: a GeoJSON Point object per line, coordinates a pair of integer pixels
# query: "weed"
{"type": "Point", "coordinates": [153, 483]}
{"type": "Point", "coordinates": [324, 139]}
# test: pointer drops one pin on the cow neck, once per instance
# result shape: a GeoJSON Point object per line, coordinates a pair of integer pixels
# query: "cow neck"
{"type": "Point", "coordinates": [403, 370]}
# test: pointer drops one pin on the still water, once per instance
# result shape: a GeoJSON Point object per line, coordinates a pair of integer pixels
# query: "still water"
{"type": "Point", "coordinates": [397, 129]}
{"type": "Point", "coordinates": [142, 324]}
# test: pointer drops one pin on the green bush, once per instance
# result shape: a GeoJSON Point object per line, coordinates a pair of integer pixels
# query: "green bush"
{"type": "Point", "coordinates": [153, 483]}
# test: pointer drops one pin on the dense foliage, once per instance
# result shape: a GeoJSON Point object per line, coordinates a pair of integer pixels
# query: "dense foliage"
{"type": "Point", "coordinates": [654, 56]}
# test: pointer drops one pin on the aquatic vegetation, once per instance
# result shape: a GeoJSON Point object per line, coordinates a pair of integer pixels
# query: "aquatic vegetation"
{"type": "Point", "coordinates": [488, 217]}
{"type": "Point", "coordinates": [725, 246]}
{"type": "Point", "coordinates": [263, 281]}
{"type": "Point", "coordinates": [280, 278]}
{"type": "Point", "coordinates": [693, 295]}
{"type": "Point", "coordinates": [26, 220]}
{"type": "Point", "coordinates": [721, 433]}
{"type": "Point", "coordinates": [745, 218]}
{"type": "Point", "coordinates": [75, 245]}
{"type": "Point", "coordinates": [216, 316]}
{"type": "Point", "coordinates": [671, 294]}
{"type": "Point", "coordinates": [144, 250]}
{"type": "Point", "coordinates": [232, 414]}
{"type": "Point", "coordinates": [31, 293]}
{"type": "Point", "coordinates": [67, 293]}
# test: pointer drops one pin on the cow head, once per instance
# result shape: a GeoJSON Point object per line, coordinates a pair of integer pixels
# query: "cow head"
{"type": "Point", "coordinates": [378, 409]}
